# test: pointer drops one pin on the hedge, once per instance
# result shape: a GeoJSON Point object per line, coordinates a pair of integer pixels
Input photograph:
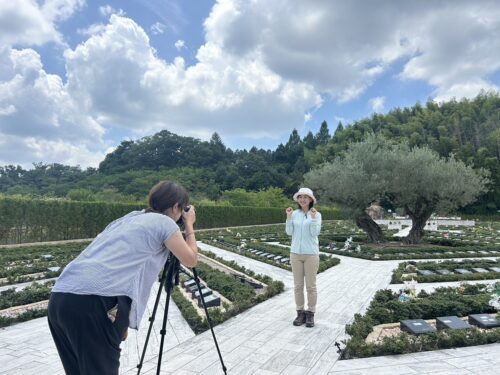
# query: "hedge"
{"type": "Point", "coordinates": [385, 308]}
{"type": "Point", "coordinates": [38, 220]}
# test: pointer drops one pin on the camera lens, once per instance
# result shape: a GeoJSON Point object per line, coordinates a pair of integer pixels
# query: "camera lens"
{"type": "Point", "coordinates": [187, 208]}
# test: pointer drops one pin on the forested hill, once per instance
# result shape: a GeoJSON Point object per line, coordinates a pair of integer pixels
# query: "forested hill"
{"type": "Point", "coordinates": [470, 129]}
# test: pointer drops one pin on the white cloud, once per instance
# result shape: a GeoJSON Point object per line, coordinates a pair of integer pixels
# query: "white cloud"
{"type": "Point", "coordinates": [377, 103]}
{"type": "Point", "coordinates": [342, 47]}
{"type": "Point", "coordinates": [108, 10]}
{"type": "Point", "coordinates": [180, 44]}
{"type": "Point", "coordinates": [220, 93]}
{"type": "Point", "coordinates": [37, 109]}
{"type": "Point", "coordinates": [262, 71]}
{"type": "Point", "coordinates": [158, 28]}
{"type": "Point", "coordinates": [95, 28]}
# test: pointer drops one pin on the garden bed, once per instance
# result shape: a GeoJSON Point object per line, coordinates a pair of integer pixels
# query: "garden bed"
{"type": "Point", "coordinates": [387, 309]}
{"type": "Point", "coordinates": [447, 270]}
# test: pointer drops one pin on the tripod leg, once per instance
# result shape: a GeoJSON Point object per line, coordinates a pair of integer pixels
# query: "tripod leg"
{"type": "Point", "coordinates": [153, 315]}
{"type": "Point", "coordinates": [197, 281]}
{"type": "Point", "coordinates": [163, 331]}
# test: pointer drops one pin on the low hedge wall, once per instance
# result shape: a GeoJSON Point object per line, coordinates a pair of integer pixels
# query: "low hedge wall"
{"type": "Point", "coordinates": [35, 220]}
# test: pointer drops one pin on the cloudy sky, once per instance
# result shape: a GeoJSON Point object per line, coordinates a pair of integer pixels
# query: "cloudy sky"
{"type": "Point", "coordinates": [79, 76]}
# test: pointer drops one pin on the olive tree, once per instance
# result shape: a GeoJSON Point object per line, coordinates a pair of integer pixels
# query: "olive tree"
{"type": "Point", "coordinates": [416, 180]}
{"type": "Point", "coordinates": [354, 181]}
{"type": "Point", "coordinates": [422, 183]}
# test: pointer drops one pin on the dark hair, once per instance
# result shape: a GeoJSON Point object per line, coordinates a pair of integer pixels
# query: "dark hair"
{"type": "Point", "coordinates": [164, 195]}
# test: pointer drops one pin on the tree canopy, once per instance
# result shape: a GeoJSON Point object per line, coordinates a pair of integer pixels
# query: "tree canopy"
{"type": "Point", "coordinates": [415, 179]}
{"type": "Point", "coordinates": [468, 129]}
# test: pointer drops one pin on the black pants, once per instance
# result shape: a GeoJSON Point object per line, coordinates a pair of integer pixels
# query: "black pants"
{"type": "Point", "coordinates": [87, 341]}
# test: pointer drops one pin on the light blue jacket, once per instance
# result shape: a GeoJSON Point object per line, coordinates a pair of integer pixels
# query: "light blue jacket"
{"type": "Point", "coordinates": [304, 231]}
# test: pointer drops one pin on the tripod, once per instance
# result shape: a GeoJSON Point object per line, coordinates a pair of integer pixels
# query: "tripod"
{"type": "Point", "coordinates": [170, 277]}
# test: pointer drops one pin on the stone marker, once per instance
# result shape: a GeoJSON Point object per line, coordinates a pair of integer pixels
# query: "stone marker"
{"type": "Point", "coordinates": [451, 322]}
{"type": "Point", "coordinates": [416, 326]}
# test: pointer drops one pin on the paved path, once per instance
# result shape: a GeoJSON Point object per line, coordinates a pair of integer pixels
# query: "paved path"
{"type": "Point", "coordinates": [261, 340]}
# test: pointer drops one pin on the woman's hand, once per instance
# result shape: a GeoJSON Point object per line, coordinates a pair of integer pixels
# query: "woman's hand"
{"type": "Point", "coordinates": [189, 217]}
{"type": "Point", "coordinates": [289, 212]}
{"type": "Point", "coordinates": [313, 213]}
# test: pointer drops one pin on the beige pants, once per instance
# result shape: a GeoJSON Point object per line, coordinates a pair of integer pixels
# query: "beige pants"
{"type": "Point", "coordinates": [305, 267]}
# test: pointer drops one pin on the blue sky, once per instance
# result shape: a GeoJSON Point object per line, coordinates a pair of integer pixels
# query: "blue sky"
{"type": "Point", "coordinates": [79, 76]}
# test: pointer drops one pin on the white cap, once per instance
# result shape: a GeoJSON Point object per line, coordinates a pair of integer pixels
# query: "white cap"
{"type": "Point", "coordinates": [304, 191]}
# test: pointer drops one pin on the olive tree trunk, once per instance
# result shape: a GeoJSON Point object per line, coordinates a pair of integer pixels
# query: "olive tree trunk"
{"type": "Point", "coordinates": [419, 217]}
{"type": "Point", "coordinates": [373, 231]}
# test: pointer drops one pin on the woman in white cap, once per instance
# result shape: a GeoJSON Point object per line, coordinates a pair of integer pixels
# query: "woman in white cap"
{"type": "Point", "coordinates": [304, 225]}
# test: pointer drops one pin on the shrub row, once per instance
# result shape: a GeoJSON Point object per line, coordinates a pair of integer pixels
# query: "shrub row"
{"type": "Point", "coordinates": [385, 308]}
{"type": "Point", "coordinates": [16, 263]}
{"type": "Point", "coordinates": [242, 296]}
{"type": "Point", "coordinates": [33, 220]}
{"type": "Point", "coordinates": [34, 293]}
{"type": "Point", "coordinates": [450, 266]}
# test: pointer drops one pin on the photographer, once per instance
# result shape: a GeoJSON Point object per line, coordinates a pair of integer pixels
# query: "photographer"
{"type": "Point", "coordinates": [304, 225]}
{"type": "Point", "coordinates": [106, 288]}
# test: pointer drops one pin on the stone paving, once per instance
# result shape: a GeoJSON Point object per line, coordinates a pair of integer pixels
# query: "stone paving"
{"type": "Point", "coordinates": [261, 340]}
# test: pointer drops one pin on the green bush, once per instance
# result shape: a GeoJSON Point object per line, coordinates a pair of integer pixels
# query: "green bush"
{"type": "Point", "coordinates": [33, 220]}
{"type": "Point", "coordinates": [385, 308]}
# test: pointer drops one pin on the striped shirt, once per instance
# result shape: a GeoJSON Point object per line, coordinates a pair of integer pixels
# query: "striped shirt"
{"type": "Point", "coordinates": [123, 260]}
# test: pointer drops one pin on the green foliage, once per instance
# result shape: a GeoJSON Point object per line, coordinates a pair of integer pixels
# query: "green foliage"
{"type": "Point", "coordinates": [34, 293]}
{"type": "Point", "coordinates": [33, 220]}
{"type": "Point", "coordinates": [467, 129]}
{"type": "Point", "coordinates": [271, 197]}
{"type": "Point", "coordinates": [25, 316]}
{"type": "Point", "coordinates": [385, 308]}
{"type": "Point", "coordinates": [415, 179]}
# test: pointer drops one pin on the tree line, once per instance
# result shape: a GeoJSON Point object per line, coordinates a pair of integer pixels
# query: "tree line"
{"type": "Point", "coordinates": [467, 129]}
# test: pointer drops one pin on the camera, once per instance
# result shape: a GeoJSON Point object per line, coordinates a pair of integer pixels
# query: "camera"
{"type": "Point", "coordinates": [180, 221]}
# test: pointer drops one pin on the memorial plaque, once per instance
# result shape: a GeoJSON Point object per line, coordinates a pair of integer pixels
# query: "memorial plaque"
{"type": "Point", "coordinates": [451, 322]}
{"type": "Point", "coordinates": [278, 257]}
{"type": "Point", "coordinates": [189, 283]}
{"type": "Point", "coordinates": [426, 272]}
{"type": "Point", "coordinates": [204, 292]}
{"type": "Point", "coordinates": [495, 269]}
{"type": "Point", "coordinates": [259, 253]}
{"type": "Point", "coordinates": [270, 256]}
{"type": "Point", "coordinates": [284, 260]}
{"type": "Point", "coordinates": [211, 301]}
{"type": "Point", "coordinates": [47, 256]}
{"type": "Point", "coordinates": [264, 254]}
{"type": "Point", "coordinates": [479, 270]}
{"type": "Point", "coordinates": [462, 271]}
{"type": "Point", "coordinates": [444, 272]}
{"type": "Point", "coordinates": [484, 321]}
{"type": "Point", "coordinates": [416, 326]}
{"type": "Point", "coordinates": [53, 269]}
{"type": "Point", "coordinates": [193, 288]}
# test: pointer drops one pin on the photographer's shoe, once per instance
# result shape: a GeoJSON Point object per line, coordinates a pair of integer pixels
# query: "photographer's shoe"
{"type": "Point", "coordinates": [300, 319]}
{"type": "Point", "coordinates": [309, 318]}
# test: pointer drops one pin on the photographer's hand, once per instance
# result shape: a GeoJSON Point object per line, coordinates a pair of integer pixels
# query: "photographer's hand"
{"type": "Point", "coordinates": [184, 247]}
{"type": "Point", "coordinates": [189, 218]}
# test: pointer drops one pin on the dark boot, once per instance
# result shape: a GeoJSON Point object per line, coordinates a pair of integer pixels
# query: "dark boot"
{"type": "Point", "coordinates": [300, 319]}
{"type": "Point", "coordinates": [309, 319]}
